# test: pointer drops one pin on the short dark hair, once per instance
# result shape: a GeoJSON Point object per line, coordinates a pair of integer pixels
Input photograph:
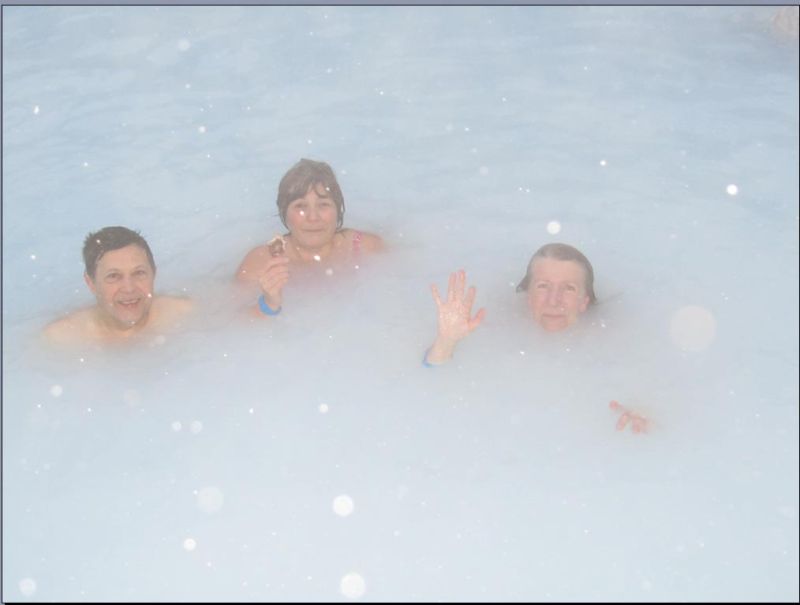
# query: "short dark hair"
{"type": "Point", "coordinates": [111, 238]}
{"type": "Point", "coordinates": [562, 252]}
{"type": "Point", "coordinates": [306, 173]}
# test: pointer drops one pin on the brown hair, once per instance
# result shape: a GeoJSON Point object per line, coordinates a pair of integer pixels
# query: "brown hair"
{"type": "Point", "coordinates": [307, 173]}
{"type": "Point", "coordinates": [562, 252]}
{"type": "Point", "coordinates": [111, 238]}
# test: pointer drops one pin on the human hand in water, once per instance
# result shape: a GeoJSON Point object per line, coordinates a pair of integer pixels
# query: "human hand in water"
{"type": "Point", "coordinates": [639, 424]}
{"type": "Point", "coordinates": [455, 316]}
{"type": "Point", "coordinates": [272, 280]}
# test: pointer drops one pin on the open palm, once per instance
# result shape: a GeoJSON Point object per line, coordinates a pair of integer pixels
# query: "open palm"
{"type": "Point", "coordinates": [455, 312]}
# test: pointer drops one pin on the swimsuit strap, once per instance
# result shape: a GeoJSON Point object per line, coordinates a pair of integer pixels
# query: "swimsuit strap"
{"type": "Point", "coordinates": [356, 242]}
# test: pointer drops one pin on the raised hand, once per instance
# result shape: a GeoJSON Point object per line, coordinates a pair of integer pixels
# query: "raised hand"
{"type": "Point", "coordinates": [455, 317]}
{"type": "Point", "coordinates": [272, 280]}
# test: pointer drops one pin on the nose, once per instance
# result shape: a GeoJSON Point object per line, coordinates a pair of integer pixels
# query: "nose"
{"type": "Point", "coordinates": [128, 283]}
{"type": "Point", "coordinates": [554, 296]}
{"type": "Point", "coordinates": [312, 214]}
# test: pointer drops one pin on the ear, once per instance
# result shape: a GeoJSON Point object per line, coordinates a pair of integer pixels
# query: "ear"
{"type": "Point", "coordinates": [584, 304]}
{"type": "Point", "coordinates": [89, 282]}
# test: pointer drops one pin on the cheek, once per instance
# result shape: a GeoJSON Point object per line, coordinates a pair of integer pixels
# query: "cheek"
{"type": "Point", "coordinates": [330, 216]}
{"type": "Point", "coordinates": [104, 292]}
{"type": "Point", "coordinates": [293, 217]}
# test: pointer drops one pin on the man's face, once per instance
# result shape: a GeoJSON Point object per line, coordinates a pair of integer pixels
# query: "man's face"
{"type": "Point", "coordinates": [557, 293]}
{"type": "Point", "coordinates": [123, 285]}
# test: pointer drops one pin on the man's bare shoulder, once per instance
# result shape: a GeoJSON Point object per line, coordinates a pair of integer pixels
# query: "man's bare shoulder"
{"type": "Point", "coordinates": [75, 327]}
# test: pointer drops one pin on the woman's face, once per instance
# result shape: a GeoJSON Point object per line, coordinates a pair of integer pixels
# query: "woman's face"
{"type": "Point", "coordinates": [557, 293]}
{"type": "Point", "coordinates": [313, 218]}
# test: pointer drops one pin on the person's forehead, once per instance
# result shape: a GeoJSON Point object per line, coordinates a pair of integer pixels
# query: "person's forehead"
{"type": "Point", "coordinates": [130, 254]}
{"type": "Point", "coordinates": [316, 190]}
{"type": "Point", "coordinates": [555, 269]}
{"type": "Point", "coordinates": [321, 189]}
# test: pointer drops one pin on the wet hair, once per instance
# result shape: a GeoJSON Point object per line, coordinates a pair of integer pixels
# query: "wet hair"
{"type": "Point", "coordinates": [562, 252]}
{"type": "Point", "coordinates": [111, 238]}
{"type": "Point", "coordinates": [296, 182]}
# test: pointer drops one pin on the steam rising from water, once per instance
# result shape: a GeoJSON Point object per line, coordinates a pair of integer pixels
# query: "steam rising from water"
{"type": "Point", "coordinates": [500, 475]}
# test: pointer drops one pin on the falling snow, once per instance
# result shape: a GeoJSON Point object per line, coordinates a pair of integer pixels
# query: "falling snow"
{"type": "Point", "coordinates": [553, 227]}
{"type": "Point", "coordinates": [343, 505]}
{"type": "Point", "coordinates": [353, 586]}
{"type": "Point", "coordinates": [27, 586]}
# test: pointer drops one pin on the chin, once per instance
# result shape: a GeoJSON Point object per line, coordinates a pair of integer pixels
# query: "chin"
{"type": "Point", "coordinates": [131, 319]}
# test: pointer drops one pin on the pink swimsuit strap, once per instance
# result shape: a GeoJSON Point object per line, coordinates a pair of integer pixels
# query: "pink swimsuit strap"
{"type": "Point", "coordinates": [356, 242]}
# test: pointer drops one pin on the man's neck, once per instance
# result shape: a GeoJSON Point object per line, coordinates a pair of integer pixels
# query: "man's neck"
{"type": "Point", "coordinates": [113, 329]}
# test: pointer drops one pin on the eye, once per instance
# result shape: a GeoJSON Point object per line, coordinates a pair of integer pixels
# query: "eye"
{"type": "Point", "coordinates": [541, 286]}
{"type": "Point", "coordinates": [571, 288]}
{"type": "Point", "coordinates": [140, 273]}
{"type": "Point", "coordinates": [111, 277]}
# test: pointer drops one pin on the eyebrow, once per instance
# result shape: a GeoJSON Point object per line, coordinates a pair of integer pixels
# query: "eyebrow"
{"type": "Point", "coordinates": [115, 269]}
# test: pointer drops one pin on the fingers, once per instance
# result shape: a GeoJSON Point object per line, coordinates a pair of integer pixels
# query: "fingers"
{"type": "Point", "coordinates": [274, 279]}
{"type": "Point", "coordinates": [461, 277]}
{"type": "Point", "coordinates": [451, 287]}
{"type": "Point", "coordinates": [275, 271]}
{"type": "Point", "coordinates": [639, 424]}
{"type": "Point", "coordinates": [436, 297]}
{"type": "Point", "coordinates": [476, 321]}
{"type": "Point", "coordinates": [470, 297]}
{"type": "Point", "coordinates": [276, 261]}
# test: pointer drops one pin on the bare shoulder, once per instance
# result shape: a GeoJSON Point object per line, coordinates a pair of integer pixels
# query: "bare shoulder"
{"type": "Point", "coordinates": [369, 241]}
{"type": "Point", "coordinates": [70, 329]}
{"type": "Point", "coordinates": [252, 264]}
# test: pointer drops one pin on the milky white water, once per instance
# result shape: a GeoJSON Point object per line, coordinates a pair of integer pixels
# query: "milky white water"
{"type": "Point", "coordinates": [311, 456]}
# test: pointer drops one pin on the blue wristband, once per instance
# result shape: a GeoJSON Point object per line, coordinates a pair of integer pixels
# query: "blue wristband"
{"type": "Point", "coordinates": [425, 361]}
{"type": "Point", "coordinates": [265, 308]}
